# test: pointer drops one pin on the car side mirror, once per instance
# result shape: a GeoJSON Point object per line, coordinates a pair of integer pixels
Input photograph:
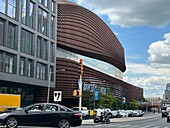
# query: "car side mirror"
{"type": "Point", "coordinates": [26, 110]}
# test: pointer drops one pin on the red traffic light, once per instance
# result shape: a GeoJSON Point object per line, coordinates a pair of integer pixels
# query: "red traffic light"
{"type": "Point", "coordinates": [81, 60]}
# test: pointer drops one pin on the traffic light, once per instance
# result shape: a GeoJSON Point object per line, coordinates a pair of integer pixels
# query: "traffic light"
{"type": "Point", "coordinates": [77, 93]}
{"type": "Point", "coordinates": [81, 67]}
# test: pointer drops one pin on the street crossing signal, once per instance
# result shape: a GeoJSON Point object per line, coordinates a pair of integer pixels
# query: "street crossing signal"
{"type": "Point", "coordinates": [77, 93]}
{"type": "Point", "coordinates": [81, 67]}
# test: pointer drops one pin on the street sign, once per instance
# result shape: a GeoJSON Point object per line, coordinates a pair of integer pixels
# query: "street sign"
{"type": "Point", "coordinates": [57, 95]}
{"type": "Point", "coordinates": [80, 84]}
{"type": "Point", "coordinates": [96, 96]}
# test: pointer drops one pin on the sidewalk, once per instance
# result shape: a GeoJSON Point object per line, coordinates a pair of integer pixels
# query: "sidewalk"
{"type": "Point", "coordinates": [90, 121]}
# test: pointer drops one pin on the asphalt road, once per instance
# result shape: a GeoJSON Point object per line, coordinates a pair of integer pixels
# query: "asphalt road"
{"type": "Point", "coordinates": [154, 122]}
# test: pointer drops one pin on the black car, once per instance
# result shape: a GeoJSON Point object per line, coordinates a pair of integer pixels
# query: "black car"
{"type": "Point", "coordinates": [41, 114]}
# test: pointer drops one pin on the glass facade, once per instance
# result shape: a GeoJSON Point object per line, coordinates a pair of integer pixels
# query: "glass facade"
{"type": "Point", "coordinates": [22, 66]}
{"type": "Point", "coordinates": [11, 8]}
{"type": "Point", "coordinates": [10, 5]}
{"type": "Point", "coordinates": [41, 71]}
{"type": "Point", "coordinates": [2, 27]}
{"type": "Point", "coordinates": [26, 45]}
{"type": "Point", "coordinates": [42, 48]}
{"type": "Point", "coordinates": [2, 6]}
{"type": "Point", "coordinates": [30, 68]}
{"type": "Point", "coordinates": [92, 63]}
{"type": "Point", "coordinates": [11, 36]}
{"type": "Point", "coordinates": [27, 15]}
{"type": "Point", "coordinates": [52, 46]}
{"type": "Point", "coordinates": [42, 21]}
{"type": "Point", "coordinates": [1, 61]}
{"type": "Point", "coordinates": [52, 27]}
{"type": "Point", "coordinates": [9, 63]}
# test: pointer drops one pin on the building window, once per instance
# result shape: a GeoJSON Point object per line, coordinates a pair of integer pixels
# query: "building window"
{"type": "Point", "coordinates": [52, 32]}
{"type": "Point", "coordinates": [41, 48]}
{"type": "Point", "coordinates": [52, 52]}
{"type": "Point", "coordinates": [26, 45]}
{"type": "Point", "coordinates": [22, 66]}
{"type": "Point", "coordinates": [11, 8]}
{"type": "Point", "coordinates": [1, 61]}
{"type": "Point", "coordinates": [44, 2]}
{"type": "Point", "coordinates": [30, 68]}
{"type": "Point", "coordinates": [31, 14]}
{"type": "Point", "coordinates": [38, 47]}
{"type": "Point", "coordinates": [52, 73]}
{"type": "Point", "coordinates": [2, 6]}
{"type": "Point", "coordinates": [42, 21]}
{"type": "Point", "coordinates": [2, 26]}
{"type": "Point", "coordinates": [23, 15]}
{"type": "Point", "coordinates": [27, 16]}
{"type": "Point", "coordinates": [44, 50]}
{"type": "Point", "coordinates": [9, 63]}
{"type": "Point", "coordinates": [41, 71]}
{"type": "Point", "coordinates": [53, 6]}
{"type": "Point", "coordinates": [11, 36]}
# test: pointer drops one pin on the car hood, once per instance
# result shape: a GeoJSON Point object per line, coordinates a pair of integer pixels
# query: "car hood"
{"type": "Point", "coordinates": [9, 112]}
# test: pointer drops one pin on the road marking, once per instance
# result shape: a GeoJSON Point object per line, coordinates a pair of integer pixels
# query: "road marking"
{"type": "Point", "coordinates": [124, 126]}
{"type": "Point", "coordinates": [146, 126]}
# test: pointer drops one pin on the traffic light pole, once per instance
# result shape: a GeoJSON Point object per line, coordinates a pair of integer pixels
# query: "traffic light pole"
{"type": "Point", "coordinates": [80, 88]}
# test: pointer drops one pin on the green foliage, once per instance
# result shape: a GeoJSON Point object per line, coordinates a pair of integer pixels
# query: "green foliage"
{"type": "Point", "coordinates": [103, 100]}
{"type": "Point", "coordinates": [134, 104]}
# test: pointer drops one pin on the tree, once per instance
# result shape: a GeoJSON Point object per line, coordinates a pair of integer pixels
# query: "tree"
{"type": "Point", "coordinates": [104, 100]}
{"type": "Point", "coordinates": [134, 104]}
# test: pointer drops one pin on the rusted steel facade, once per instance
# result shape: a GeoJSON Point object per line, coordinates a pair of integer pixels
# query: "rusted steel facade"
{"type": "Point", "coordinates": [82, 32]}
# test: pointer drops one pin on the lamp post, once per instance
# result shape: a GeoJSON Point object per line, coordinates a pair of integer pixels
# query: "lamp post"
{"type": "Point", "coordinates": [49, 79]}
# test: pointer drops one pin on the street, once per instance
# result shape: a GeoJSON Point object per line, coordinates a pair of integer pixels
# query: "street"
{"type": "Point", "coordinates": [144, 122]}
{"type": "Point", "coordinates": [148, 121]}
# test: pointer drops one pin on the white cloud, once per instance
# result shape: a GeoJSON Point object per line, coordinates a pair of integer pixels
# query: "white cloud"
{"type": "Point", "coordinates": [154, 76]}
{"type": "Point", "coordinates": [127, 13]}
{"type": "Point", "coordinates": [160, 51]}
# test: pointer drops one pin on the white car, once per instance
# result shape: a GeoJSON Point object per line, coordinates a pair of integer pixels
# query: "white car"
{"type": "Point", "coordinates": [123, 113]}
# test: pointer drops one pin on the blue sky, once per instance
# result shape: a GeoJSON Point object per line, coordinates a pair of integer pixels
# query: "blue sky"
{"type": "Point", "coordinates": [143, 29]}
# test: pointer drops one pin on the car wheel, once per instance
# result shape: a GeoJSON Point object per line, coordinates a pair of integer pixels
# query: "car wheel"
{"type": "Point", "coordinates": [64, 123]}
{"type": "Point", "coordinates": [11, 122]}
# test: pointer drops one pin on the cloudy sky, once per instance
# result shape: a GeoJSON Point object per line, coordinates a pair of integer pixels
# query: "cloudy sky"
{"type": "Point", "coordinates": [143, 29]}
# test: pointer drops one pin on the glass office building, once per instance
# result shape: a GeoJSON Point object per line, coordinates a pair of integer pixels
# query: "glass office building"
{"type": "Point", "coordinates": [27, 47]}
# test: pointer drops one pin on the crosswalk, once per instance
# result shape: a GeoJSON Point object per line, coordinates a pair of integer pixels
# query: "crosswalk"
{"type": "Point", "coordinates": [120, 125]}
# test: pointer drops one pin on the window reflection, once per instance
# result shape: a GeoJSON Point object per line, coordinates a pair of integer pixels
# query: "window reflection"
{"type": "Point", "coordinates": [11, 8]}
{"type": "Point", "coordinates": [93, 63]}
{"type": "Point", "coordinates": [11, 36]}
{"type": "Point", "coordinates": [9, 63]}
{"type": "Point", "coordinates": [2, 6]}
{"type": "Point", "coordinates": [2, 27]}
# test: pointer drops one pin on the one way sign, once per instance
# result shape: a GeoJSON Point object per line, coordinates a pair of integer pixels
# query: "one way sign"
{"type": "Point", "coordinates": [57, 95]}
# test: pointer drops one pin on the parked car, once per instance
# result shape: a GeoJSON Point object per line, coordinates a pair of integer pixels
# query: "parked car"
{"type": "Point", "coordinates": [123, 113]}
{"type": "Point", "coordinates": [136, 113]}
{"type": "Point", "coordinates": [41, 114]}
{"type": "Point", "coordinates": [130, 113]}
{"type": "Point", "coordinates": [85, 112]}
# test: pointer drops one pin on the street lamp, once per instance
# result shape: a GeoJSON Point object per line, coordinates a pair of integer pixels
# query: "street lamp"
{"type": "Point", "coordinates": [49, 79]}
